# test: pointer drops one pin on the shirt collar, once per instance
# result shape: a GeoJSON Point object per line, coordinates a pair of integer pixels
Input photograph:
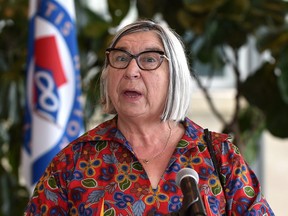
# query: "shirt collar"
{"type": "Point", "coordinates": [108, 131]}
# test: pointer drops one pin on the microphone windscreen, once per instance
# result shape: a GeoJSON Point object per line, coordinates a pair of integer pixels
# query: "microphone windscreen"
{"type": "Point", "coordinates": [186, 172]}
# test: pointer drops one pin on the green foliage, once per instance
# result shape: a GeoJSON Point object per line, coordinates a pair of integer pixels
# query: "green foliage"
{"type": "Point", "coordinates": [251, 124]}
{"type": "Point", "coordinates": [207, 27]}
{"type": "Point", "coordinates": [13, 37]}
{"type": "Point", "coordinates": [118, 9]}
{"type": "Point", "coordinates": [216, 25]}
{"type": "Point", "coordinates": [262, 90]}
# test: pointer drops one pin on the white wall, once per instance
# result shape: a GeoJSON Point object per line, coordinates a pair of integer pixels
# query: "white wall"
{"type": "Point", "coordinates": [276, 173]}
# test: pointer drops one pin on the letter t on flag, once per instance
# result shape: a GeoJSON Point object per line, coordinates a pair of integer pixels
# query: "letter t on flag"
{"type": "Point", "coordinates": [53, 110]}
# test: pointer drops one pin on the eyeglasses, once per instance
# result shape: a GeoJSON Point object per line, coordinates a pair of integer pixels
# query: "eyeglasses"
{"type": "Point", "coordinates": [147, 60]}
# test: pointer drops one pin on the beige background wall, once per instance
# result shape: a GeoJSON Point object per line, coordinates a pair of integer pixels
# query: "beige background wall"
{"type": "Point", "coordinates": [274, 153]}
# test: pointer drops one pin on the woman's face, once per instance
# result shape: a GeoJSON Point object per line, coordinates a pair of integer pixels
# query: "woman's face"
{"type": "Point", "coordinates": [135, 92]}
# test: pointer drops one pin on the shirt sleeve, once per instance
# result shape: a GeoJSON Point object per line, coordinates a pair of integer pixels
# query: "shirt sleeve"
{"type": "Point", "coordinates": [49, 196]}
{"type": "Point", "coordinates": [242, 188]}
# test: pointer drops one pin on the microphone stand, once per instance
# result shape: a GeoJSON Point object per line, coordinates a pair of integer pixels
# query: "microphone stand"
{"type": "Point", "coordinates": [192, 202]}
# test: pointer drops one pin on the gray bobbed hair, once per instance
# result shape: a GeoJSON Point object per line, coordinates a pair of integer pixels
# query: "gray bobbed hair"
{"type": "Point", "coordinates": [179, 90]}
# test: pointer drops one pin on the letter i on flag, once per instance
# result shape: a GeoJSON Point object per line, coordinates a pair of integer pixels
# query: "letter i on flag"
{"type": "Point", "coordinates": [53, 111]}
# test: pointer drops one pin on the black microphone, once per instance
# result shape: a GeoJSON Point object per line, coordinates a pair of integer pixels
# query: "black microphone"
{"type": "Point", "coordinates": [187, 179]}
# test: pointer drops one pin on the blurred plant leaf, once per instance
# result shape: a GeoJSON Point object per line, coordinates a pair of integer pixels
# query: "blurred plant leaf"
{"type": "Point", "coordinates": [202, 6]}
{"type": "Point", "coordinates": [283, 77]}
{"type": "Point", "coordinates": [148, 8]}
{"type": "Point", "coordinates": [274, 40]}
{"type": "Point", "coordinates": [252, 124]}
{"type": "Point", "coordinates": [261, 89]}
{"type": "Point", "coordinates": [118, 9]}
{"type": "Point", "coordinates": [234, 10]}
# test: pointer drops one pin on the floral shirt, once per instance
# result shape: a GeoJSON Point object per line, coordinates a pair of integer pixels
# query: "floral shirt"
{"type": "Point", "coordinates": [98, 174]}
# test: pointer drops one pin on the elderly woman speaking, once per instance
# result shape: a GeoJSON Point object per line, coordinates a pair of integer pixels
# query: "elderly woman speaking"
{"type": "Point", "coordinates": [128, 165]}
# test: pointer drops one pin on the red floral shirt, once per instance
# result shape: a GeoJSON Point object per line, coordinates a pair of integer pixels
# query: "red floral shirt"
{"type": "Point", "coordinates": [98, 173]}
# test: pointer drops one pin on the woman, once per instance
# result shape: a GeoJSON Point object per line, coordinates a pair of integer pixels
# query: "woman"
{"type": "Point", "coordinates": [128, 165]}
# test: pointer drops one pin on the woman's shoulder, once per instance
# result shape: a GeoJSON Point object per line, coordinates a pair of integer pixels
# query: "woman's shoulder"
{"type": "Point", "coordinates": [95, 136]}
{"type": "Point", "coordinates": [193, 127]}
{"type": "Point", "coordinates": [221, 142]}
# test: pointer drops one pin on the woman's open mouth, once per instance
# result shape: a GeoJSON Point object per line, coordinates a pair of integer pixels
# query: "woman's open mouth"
{"type": "Point", "coordinates": [132, 94]}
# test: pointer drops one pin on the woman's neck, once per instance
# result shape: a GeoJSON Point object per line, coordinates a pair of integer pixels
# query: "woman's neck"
{"type": "Point", "coordinates": [142, 128]}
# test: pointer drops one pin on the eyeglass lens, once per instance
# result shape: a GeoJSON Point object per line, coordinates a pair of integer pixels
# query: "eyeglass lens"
{"type": "Point", "coordinates": [148, 60]}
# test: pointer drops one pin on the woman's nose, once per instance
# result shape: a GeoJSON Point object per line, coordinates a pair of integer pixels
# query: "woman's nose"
{"type": "Point", "coordinates": [133, 70]}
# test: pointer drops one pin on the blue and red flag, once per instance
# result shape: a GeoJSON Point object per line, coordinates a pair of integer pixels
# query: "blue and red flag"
{"type": "Point", "coordinates": [53, 111]}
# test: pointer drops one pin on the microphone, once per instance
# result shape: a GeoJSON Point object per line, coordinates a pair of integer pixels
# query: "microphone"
{"type": "Point", "coordinates": [187, 179]}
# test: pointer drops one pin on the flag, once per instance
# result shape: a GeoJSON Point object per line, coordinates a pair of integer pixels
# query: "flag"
{"type": "Point", "coordinates": [53, 110]}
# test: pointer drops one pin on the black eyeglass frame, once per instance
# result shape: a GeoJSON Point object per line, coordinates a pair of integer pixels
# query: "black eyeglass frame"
{"type": "Point", "coordinates": [162, 56]}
